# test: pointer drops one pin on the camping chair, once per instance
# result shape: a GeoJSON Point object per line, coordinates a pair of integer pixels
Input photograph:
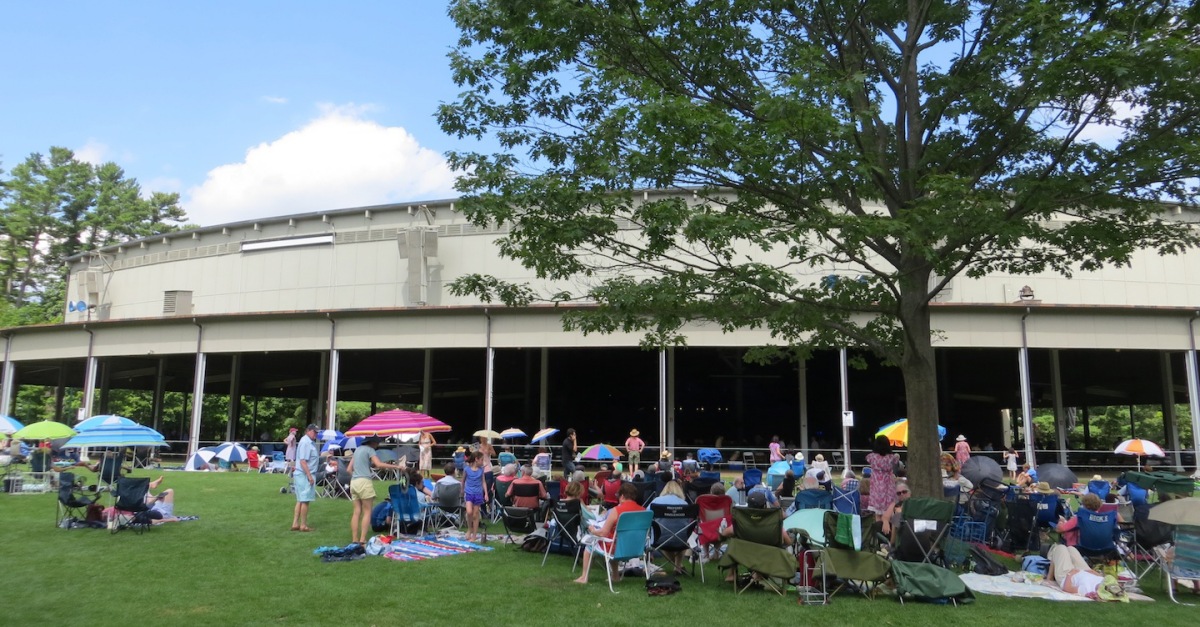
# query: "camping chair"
{"type": "Point", "coordinates": [711, 510]}
{"type": "Point", "coordinates": [1097, 535]}
{"type": "Point", "coordinates": [847, 501]}
{"type": "Point", "coordinates": [928, 582]}
{"type": "Point", "coordinates": [1138, 541]}
{"type": "Point", "coordinates": [407, 516]}
{"type": "Point", "coordinates": [1099, 488]}
{"type": "Point", "coordinates": [72, 503]}
{"type": "Point", "coordinates": [859, 568]}
{"type": "Point", "coordinates": [671, 527]}
{"type": "Point", "coordinates": [1047, 509]}
{"type": "Point", "coordinates": [647, 490]}
{"type": "Point", "coordinates": [526, 491]}
{"type": "Point", "coordinates": [447, 509]}
{"type": "Point", "coordinates": [752, 477]}
{"type": "Point", "coordinates": [1021, 527]}
{"type": "Point", "coordinates": [986, 504]}
{"type": "Point", "coordinates": [563, 527]}
{"type": "Point", "coordinates": [757, 544]}
{"type": "Point", "coordinates": [40, 477]}
{"type": "Point", "coordinates": [630, 540]}
{"type": "Point", "coordinates": [1185, 565]}
{"type": "Point", "coordinates": [387, 456]}
{"type": "Point", "coordinates": [553, 490]}
{"type": "Point", "coordinates": [924, 523]}
{"type": "Point", "coordinates": [815, 498]}
{"type": "Point", "coordinates": [518, 520]}
{"type": "Point", "coordinates": [129, 505]}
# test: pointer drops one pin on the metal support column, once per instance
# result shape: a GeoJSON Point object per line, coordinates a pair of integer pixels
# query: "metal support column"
{"type": "Point", "coordinates": [544, 390]}
{"type": "Point", "coordinates": [197, 392]}
{"type": "Point", "coordinates": [160, 387]}
{"type": "Point", "coordinates": [6, 384]}
{"type": "Point", "coordinates": [671, 398]}
{"type": "Point", "coordinates": [234, 412]}
{"type": "Point", "coordinates": [1026, 401]}
{"type": "Point", "coordinates": [1170, 420]}
{"type": "Point", "coordinates": [1060, 418]}
{"type": "Point", "coordinates": [335, 361]}
{"type": "Point", "coordinates": [1193, 384]}
{"type": "Point", "coordinates": [845, 406]}
{"type": "Point", "coordinates": [802, 384]}
{"type": "Point", "coordinates": [663, 443]}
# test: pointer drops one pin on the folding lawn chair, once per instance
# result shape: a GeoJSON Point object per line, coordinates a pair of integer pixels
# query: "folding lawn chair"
{"type": "Point", "coordinates": [815, 498]}
{"type": "Point", "coordinates": [517, 520]}
{"type": "Point", "coordinates": [711, 510]}
{"type": "Point", "coordinates": [563, 527]}
{"type": "Point", "coordinates": [671, 527]}
{"type": "Point", "coordinates": [1185, 565]}
{"type": "Point", "coordinates": [630, 540]}
{"type": "Point", "coordinates": [847, 501]}
{"type": "Point", "coordinates": [1098, 535]}
{"type": "Point", "coordinates": [647, 491]}
{"type": "Point", "coordinates": [925, 522]}
{"type": "Point", "coordinates": [859, 568]}
{"type": "Point", "coordinates": [129, 505]}
{"type": "Point", "coordinates": [1139, 541]}
{"type": "Point", "coordinates": [407, 515]}
{"type": "Point", "coordinates": [447, 507]}
{"type": "Point", "coordinates": [72, 502]}
{"type": "Point", "coordinates": [752, 477]}
{"type": "Point", "coordinates": [1100, 488]}
{"type": "Point", "coordinates": [757, 545]}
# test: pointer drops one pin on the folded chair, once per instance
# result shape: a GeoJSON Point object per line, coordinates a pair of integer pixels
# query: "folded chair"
{"type": "Point", "coordinates": [1185, 565]}
{"type": "Point", "coordinates": [129, 505]}
{"type": "Point", "coordinates": [563, 527]}
{"type": "Point", "coordinates": [929, 582]}
{"type": "Point", "coordinates": [925, 523]}
{"type": "Point", "coordinates": [629, 541]}
{"type": "Point", "coordinates": [671, 527]}
{"type": "Point", "coordinates": [72, 502]}
{"type": "Point", "coordinates": [757, 545]}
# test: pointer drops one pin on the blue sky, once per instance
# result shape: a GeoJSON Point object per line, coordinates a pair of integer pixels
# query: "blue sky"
{"type": "Point", "coordinates": [247, 109]}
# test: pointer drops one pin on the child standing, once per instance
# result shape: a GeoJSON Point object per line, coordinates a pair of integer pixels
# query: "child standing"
{"type": "Point", "coordinates": [1010, 456]}
{"type": "Point", "coordinates": [474, 493]}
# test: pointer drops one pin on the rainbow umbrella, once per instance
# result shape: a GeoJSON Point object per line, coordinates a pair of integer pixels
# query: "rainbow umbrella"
{"type": "Point", "coordinates": [396, 421]}
{"type": "Point", "coordinates": [897, 432]}
{"type": "Point", "coordinates": [601, 451]}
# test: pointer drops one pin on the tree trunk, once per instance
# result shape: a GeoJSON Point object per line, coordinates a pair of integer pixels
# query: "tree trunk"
{"type": "Point", "coordinates": [920, 386]}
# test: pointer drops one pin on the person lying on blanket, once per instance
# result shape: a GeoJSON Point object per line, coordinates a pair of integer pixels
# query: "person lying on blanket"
{"type": "Point", "coordinates": [1073, 575]}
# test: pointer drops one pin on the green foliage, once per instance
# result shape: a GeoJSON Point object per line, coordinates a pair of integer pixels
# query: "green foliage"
{"type": "Point", "coordinates": [1109, 426]}
{"type": "Point", "coordinates": [54, 207]}
{"type": "Point", "coordinates": [894, 145]}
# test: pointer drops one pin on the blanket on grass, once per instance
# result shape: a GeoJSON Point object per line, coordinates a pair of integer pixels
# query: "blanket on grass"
{"type": "Point", "coordinates": [416, 549]}
{"type": "Point", "coordinates": [1003, 585]}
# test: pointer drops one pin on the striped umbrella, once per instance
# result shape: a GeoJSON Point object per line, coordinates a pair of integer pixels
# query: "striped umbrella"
{"type": "Point", "coordinates": [330, 435]}
{"type": "Point", "coordinates": [97, 422]}
{"type": "Point", "coordinates": [9, 424]}
{"type": "Point", "coordinates": [1140, 447]}
{"type": "Point", "coordinates": [398, 421]}
{"type": "Point", "coordinates": [231, 452]}
{"type": "Point", "coordinates": [198, 461]}
{"type": "Point", "coordinates": [348, 442]}
{"type": "Point", "coordinates": [897, 432]}
{"type": "Point", "coordinates": [542, 435]}
{"type": "Point", "coordinates": [512, 433]}
{"type": "Point", "coordinates": [118, 435]}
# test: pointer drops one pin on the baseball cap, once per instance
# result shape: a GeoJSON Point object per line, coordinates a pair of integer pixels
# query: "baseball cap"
{"type": "Point", "coordinates": [756, 499]}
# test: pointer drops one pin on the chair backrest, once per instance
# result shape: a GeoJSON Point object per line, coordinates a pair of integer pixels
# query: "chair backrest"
{"type": "Point", "coordinates": [1187, 549]}
{"type": "Point", "coordinates": [646, 490]}
{"type": "Point", "coordinates": [601, 476]}
{"type": "Point", "coordinates": [609, 489]}
{"type": "Point", "coordinates": [798, 467]}
{"type": "Point", "coordinates": [1099, 488]}
{"type": "Point", "coordinates": [929, 509]}
{"type": "Point", "coordinates": [110, 467]}
{"type": "Point", "coordinates": [714, 506]}
{"type": "Point", "coordinates": [448, 494]}
{"type": "Point", "coordinates": [1137, 494]}
{"type": "Point", "coordinates": [672, 523]}
{"type": "Point", "coordinates": [405, 505]}
{"type": "Point", "coordinates": [131, 493]}
{"type": "Point", "coordinates": [815, 498]}
{"type": "Point", "coordinates": [66, 488]}
{"type": "Point", "coordinates": [502, 491]}
{"type": "Point", "coordinates": [1047, 508]}
{"type": "Point", "coordinates": [752, 477]}
{"type": "Point", "coordinates": [847, 501]}
{"type": "Point", "coordinates": [1097, 531]}
{"type": "Point", "coordinates": [506, 457]}
{"type": "Point", "coordinates": [39, 460]}
{"type": "Point", "coordinates": [526, 490]}
{"type": "Point", "coordinates": [554, 490]}
{"type": "Point", "coordinates": [567, 516]}
{"type": "Point", "coordinates": [710, 475]}
{"type": "Point", "coordinates": [629, 538]}
{"type": "Point", "coordinates": [760, 526]}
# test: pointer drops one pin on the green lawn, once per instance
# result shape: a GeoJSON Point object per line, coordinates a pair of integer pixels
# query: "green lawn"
{"type": "Point", "coordinates": [239, 564]}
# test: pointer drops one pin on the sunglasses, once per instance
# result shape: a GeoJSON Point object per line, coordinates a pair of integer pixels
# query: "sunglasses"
{"type": "Point", "coordinates": [902, 493]}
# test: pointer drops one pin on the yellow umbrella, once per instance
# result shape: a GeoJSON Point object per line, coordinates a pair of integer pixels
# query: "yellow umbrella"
{"type": "Point", "coordinates": [897, 432]}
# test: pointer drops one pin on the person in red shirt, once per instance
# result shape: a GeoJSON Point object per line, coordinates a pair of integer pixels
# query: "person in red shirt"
{"type": "Point", "coordinates": [627, 496]}
{"type": "Point", "coordinates": [526, 478]}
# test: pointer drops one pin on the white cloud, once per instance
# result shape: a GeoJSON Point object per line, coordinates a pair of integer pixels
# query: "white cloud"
{"type": "Point", "coordinates": [340, 159]}
{"type": "Point", "coordinates": [275, 99]}
{"type": "Point", "coordinates": [93, 152]}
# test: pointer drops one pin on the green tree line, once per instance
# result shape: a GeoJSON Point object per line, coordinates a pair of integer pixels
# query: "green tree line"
{"type": "Point", "coordinates": [1108, 426]}
{"type": "Point", "coordinates": [55, 206]}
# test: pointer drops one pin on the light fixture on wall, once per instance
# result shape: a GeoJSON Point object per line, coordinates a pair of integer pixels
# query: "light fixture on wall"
{"type": "Point", "coordinates": [1026, 293]}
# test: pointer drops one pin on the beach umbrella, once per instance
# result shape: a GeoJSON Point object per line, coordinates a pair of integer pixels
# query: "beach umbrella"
{"type": "Point", "coordinates": [1057, 475]}
{"type": "Point", "coordinates": [9, 424]}
{"type": "Point", "coordinates": [512, 433]}
{"type": "Point", "coordinates": [1139, 448]}
{"type": "Point", "coordinates": [348, 442]}
{"type": "Point", "coordinates": [97, 422]}
{"type": "Point", "coordinates": [330, 446]}
{"type": "Point", "coordinates": [1185, 511]}
{"type": "Point", "coordinates": [231, 452]}
{"type": "Point", "coordinates": [44, 430]}
{"type": "Point", "coordinates": [330, 435]}
{"type": "Point", "coordinates": [979, 468]}
{"type": "Point", "coordinates": [198, 461]}
{"type": "Point", "coordinates": [543, 434]}
{"type": "Point", "coordinates": [601, 451]}
{"type": "Point", "coordinates": [897, 432]}
{"type": "Point", "coordinates": [116, 434]}
{"type": "Point", "coordinates": [411, 455]}
{"type": "Point", "coordinates": [490, 434]}
{"type": "Point", "coordinates": [396, 421]}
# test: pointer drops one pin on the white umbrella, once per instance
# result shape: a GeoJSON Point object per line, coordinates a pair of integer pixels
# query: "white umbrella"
{"type": "Point", "coordinates": [329, 435]}
{"type": "Point", "coordinates": [199, 460]}
{"type": "Point", "coordinates": [10, 425]}
{"type": "Point", "coordinates": [231, 452]}
{"type": "Point", "coordinates": [543, 434]}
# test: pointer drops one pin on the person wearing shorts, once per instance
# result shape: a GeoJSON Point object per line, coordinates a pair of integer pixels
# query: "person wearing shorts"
{"type": "Point", "coordinates": [362, 488]}
{"type": "Point", "coordinates": [302, 478]}
{"type": "Point", "coordinates": [475, 492]}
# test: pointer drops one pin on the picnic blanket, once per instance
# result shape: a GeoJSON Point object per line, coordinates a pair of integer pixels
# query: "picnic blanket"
{"type": "Point", "coordinates": [430, 547]}
{"type": "Point", "coordinates": [1003, 585]}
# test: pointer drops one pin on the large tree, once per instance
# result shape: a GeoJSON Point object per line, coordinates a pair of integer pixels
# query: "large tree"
{"type": "Point", "coordinates": [901, 144]}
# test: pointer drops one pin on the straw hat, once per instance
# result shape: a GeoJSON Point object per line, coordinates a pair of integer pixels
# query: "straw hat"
{"type": "Point", "coordinates": [960, 438]}
{"type": "Point", "coordinates": [1097, 478]}
{"type": "Point", "coordinates": [634, 433]}
{"type": "Point", "coordinates": [460, 450]}
{"type": "Point", "coordinates": [1044, 488]}
{"type": "Point", "coordinates": [665, 455]}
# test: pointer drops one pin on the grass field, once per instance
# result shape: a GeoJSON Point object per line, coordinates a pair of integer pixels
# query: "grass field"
{"type": "Point", "coordinates": [240, 565]}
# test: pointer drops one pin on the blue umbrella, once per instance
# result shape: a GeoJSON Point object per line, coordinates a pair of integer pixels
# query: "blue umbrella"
{"type": "Point", "coordinates": [349, 441]}
{"type": "Point", "coordinates": [329, 435]}
{"type": "Point", "coordinates": [10, 425]}
{"type": "Point", "coordinates": [103, 421]}
{"type": "Point", "coordinates": [199, 460]}
{"type": "Point", "coordinates": [231, 452]}
{"type": "Point", "coordinates": [779, 468]}
{"type": "Point", "coordinates": [117, 436]}
{"type": "Point", "coordinates": [330, 446]}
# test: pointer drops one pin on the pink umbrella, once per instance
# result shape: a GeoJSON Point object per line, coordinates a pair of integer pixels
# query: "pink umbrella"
{"type": "Point", "coordinates": [398, 421]}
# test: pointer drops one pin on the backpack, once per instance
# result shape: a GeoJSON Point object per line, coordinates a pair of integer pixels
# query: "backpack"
{"type": "Point", "coordinates": [662, 585]}
{"type": "Point", "coordinates": [983, 563]}
{"type": "Point", "coordinates": [535, 543]}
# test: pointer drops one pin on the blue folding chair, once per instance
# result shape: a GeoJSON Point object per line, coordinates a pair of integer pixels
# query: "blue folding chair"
{"type": "Point", "coordinates": [752, 477]}
{"type": "Point", "coordinates": [630, 540]}
{"type": "Point", "coordinates": [1100, 488]}
{"type": "Point", "coordinates": [846, 501]}
{"type": "Point", "coordinates": [406, 509]}
{"type": "Point", "coordinates": [813, 499]}
{"type": "Point", "coordinates": [1047, 509]}
{"type": "Point", "coordinates": [1097, 533]}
